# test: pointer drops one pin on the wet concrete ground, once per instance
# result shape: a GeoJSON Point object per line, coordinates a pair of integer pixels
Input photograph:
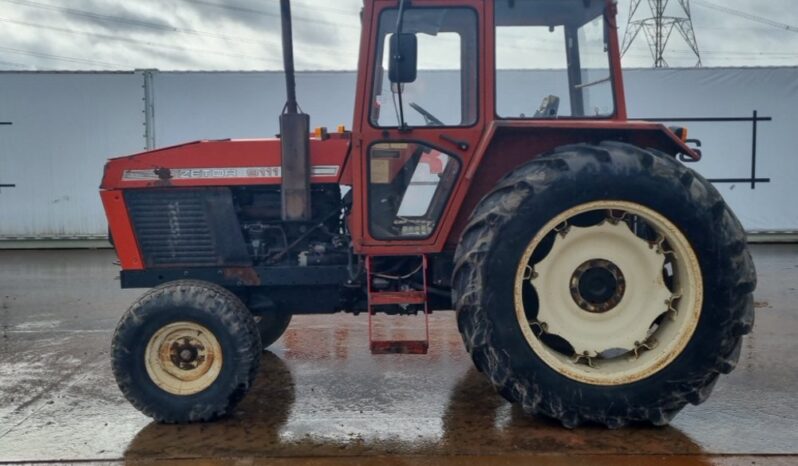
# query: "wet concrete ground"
{"type": "Point", "coordinates": [322, 398]}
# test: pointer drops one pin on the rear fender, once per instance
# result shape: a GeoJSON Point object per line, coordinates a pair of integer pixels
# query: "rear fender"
{"type": "Point", "coordinates": [510, 144]}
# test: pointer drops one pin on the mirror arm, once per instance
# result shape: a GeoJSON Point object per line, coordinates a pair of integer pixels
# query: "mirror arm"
{"type": "Point", "coordinates": [400, 20]}
{"type": "Point", "coordinates": [399, 23]}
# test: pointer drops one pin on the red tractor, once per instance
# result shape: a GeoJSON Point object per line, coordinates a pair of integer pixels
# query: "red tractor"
{"type": "Point", "coordinates": [595, 278]}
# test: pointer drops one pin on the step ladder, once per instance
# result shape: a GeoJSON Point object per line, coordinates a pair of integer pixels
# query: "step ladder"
{"type": "Point", "coordinates": [381, 298]}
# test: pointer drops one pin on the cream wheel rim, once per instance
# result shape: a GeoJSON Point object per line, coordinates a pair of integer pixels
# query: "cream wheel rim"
{"type": "Point", "coordinates": [613, 301]}
{"type": "Point", "coordinates": [183, 358]}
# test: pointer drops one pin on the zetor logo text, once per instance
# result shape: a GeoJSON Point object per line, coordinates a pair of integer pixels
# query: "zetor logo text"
{"type": "Point", "coordinates": [186, 173]}
{"type": "Point", "coordinates": [206, 173]}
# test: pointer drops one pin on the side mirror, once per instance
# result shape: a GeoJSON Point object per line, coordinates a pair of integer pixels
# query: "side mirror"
{"type": "Point", "coordinates": [404, 57]}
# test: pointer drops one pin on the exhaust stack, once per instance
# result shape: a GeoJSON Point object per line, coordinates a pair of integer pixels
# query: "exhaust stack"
{"type": "Point", "coordinates": [294, 136]}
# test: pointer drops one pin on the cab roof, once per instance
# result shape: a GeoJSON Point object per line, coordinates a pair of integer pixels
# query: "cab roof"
{"type": "Point", "coordinates": [548, 12]}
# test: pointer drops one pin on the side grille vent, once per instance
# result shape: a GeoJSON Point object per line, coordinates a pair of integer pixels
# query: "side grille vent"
{"type": "Point", "coordinates": [186, 227]}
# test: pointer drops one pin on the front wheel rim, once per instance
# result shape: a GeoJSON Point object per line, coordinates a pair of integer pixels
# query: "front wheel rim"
{"type": "Point", "coordinates": [608, 292]}
{"type": "Point", "coordinates": [183, 358]}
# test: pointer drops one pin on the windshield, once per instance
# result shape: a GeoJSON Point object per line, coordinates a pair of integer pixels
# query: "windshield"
{"type": "Point", "coordinates": [552, 59]}
{"type": "Point", "coordinates": [445, 91]}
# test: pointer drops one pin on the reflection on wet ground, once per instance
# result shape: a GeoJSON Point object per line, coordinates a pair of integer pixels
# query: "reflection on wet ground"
{"type": "Point", "coordinates": [322, 397]}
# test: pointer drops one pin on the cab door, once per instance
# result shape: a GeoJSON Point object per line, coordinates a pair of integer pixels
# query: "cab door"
{"type": "Point", "coordinates": [417, 138]}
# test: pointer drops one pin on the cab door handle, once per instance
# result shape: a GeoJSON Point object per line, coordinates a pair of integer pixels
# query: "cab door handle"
{"type": "Point", "coordinates": [462, 145]}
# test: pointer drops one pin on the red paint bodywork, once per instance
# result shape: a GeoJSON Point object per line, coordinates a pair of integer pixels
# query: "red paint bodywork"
{"type": "Point", "coordinates": [223, 154]}
{"type": "Point", "coordinates": [495, 147]}
{"type": "Point", "coordinates": [121, 230]}
{"type": "Point", "coordinates": [198, 155]}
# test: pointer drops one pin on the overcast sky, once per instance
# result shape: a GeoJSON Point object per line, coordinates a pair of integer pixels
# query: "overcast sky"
{"type": "Point", "coordinates": [245, 34]}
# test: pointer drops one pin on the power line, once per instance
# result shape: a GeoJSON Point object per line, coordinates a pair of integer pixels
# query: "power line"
{"type": "Point", "coordinates": [14, 64]}
{"type": "Point", "coordinates": [343, 11]}
{"type": "Point", "coordinates": [271, 14]}
{"type": "Point", "coordinates": [139, 42]}
{"type": "Point", "coordinates": [72, 11]}
{"type": "Point", "coordinates": [339, 11]}
{"type": "Point", "coordinates": [61, 57]}
{"type": "Point", "coordinates": [748, 16]}
{"type": "Point", "coordinates": [743, 54]}
{"type": "Point", "coordinates": [131, 22]}
{"type": "Point", "coordinates": [735, 28]}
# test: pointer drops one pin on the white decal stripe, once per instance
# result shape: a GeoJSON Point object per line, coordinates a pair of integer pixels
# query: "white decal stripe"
{"type": "Point", "coordinates": [223, 173]}
{"type": "Point", "coordinates": [325, 170]}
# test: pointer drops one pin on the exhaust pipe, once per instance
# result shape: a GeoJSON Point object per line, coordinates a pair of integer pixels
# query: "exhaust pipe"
{"type": "Point", "coordinates": [294, 136]}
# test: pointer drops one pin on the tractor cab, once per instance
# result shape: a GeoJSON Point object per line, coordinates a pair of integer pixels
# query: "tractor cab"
{"type": "Point", "coordinates": [439, 75]}
{"type": "Point", "coordinates": [563, 45]}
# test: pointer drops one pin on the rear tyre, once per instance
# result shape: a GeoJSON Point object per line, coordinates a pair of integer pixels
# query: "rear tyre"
{"type": "Point", "coordinates": [186, 351]}
{"type": "Point", "coordinates": [620, 286]}
{"type": "Point", "coordinates": [271, 326]}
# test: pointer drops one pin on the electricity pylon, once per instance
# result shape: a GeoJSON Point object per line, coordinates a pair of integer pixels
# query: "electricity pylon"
{"type": "Point", "coordinates": [658, 28]}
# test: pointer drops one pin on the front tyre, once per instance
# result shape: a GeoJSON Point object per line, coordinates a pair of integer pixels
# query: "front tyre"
{"type": "Point", "coordinates": [604, 284]}
{"type": "Point", "coordinates": [186, 351]}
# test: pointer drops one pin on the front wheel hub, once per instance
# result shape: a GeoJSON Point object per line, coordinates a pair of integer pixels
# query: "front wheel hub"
{"type": "Point", "coordinates": [183, 358]}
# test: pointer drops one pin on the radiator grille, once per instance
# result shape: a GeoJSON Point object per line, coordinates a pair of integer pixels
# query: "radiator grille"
{"type": "Point", "coordinates": [186, 227]}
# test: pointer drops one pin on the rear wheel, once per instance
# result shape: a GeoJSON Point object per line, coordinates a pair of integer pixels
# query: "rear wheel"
{"type": "Point", "coordinates": [620, 286]}
{"type": "Point", "coordinates": [186, 351]}
{"type": "Point", "coordinates": [271, 326]}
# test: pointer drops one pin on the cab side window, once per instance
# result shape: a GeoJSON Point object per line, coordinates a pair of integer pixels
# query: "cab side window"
{"type": "Point", "coordinates": [409, 186]}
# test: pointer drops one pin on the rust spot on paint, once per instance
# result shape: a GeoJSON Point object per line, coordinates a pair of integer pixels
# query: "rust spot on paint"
{"type": "Point", "coordinates": [243, 275]}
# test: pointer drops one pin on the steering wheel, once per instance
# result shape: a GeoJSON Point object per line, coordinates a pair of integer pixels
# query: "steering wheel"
{"type": "Point", "coordinates": [429, 118]}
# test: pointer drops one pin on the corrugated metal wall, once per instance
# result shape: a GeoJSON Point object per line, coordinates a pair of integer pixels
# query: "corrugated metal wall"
{"type": "Point", "coordinates": [728, 145]}
{"type": "Point", "coordinates": [66, 124]}
{"type": "Point", "coordinates": [64, 127]}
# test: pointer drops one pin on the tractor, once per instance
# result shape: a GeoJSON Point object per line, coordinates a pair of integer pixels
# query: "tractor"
{"type": "Point", "coordinates": [595, 278]}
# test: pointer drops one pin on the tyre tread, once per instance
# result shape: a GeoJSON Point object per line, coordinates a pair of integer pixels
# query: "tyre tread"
{"type": "Point", "coordinates": [204, 295]}
{"type": "Point", "coordinates": [521, 185]}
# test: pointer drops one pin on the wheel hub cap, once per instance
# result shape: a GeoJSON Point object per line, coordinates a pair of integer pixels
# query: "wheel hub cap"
{"type": "Point", "coordinates": [596, 257]}
{"type": "Point", "coordinates": [188, 353]}
{"type": "Point", "coordinates": [597, 285]}
{"type": "Point", "coordinates": [614, 295]}
{"type": "Point", "coordinates": [183, 358]}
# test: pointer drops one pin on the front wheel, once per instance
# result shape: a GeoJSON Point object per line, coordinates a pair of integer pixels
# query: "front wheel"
{"type": "Point", "coordinates": [186, 351]}
{"type": "Point", "coordinates": [619, 282]}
